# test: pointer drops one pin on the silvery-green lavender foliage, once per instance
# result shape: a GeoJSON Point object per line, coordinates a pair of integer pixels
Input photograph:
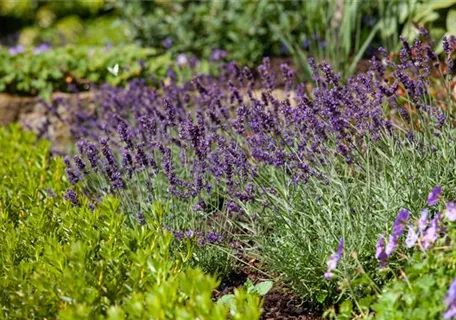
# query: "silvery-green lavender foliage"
{"type": "Point", "coordinates": [288, 174]}
{"type": "Point", "coordinates": [224, 130]}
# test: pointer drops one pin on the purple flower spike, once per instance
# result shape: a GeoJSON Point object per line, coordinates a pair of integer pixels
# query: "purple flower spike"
{"type": "Point", "coordinates": [434, 196]}
{"type": "Point", "coordinates": [398, 230]}
{"type": "Point", "coordinates": [412, 237]}
{"type": "Point", "coordinates": [212, 237]}
{"type": "Point", "coordinates": [332, 262]}
{"type": "Point", "coordinates": [71, 196]}
{"type": "Point", "coordinates": [451, 295]}
{"type": "Point", "coordinates": [450, 313]}
{"type": "Point", "coordinates": [340, 248]}
{"type": "Point", "coordinates": [380, 247]}
{"type": "Point", "coordinates": [13, 51]}
{"type": "Point", "coordinates": [218, 54]}
{"type": "Point", "coordinates": [451, 211]}
{"type": "Point", "coordinates": [450, 301]}
{"type": "Point", "coordinates": [167, 43]}
{"type": "Point", "coordinates": [328, 275]}
{"type": "Point", "coordinates": [181, 60]}
{"type": "Point", "coordinates": [43, 47]}
{"type": "Point", "coordinates": [140, 217]}
{"type": "Point", "coordinates": [380, 253]}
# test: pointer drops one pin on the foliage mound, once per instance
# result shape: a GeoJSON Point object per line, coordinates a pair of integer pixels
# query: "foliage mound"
{"type": "Point", "coordinates": [72, 262]}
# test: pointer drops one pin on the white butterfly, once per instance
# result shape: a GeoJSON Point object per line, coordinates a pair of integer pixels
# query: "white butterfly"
{"type": "Point", "coordinates": [114, 70]}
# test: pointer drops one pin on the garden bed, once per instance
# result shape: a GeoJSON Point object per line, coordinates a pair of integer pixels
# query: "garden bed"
{"type": "Point", "coordinates": [315, 184]}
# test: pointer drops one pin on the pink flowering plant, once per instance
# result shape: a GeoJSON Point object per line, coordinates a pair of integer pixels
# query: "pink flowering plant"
{"type": "Point", "coordinates": [419, 264]}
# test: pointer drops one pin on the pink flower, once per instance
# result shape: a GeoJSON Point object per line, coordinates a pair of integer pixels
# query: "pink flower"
{"type": "Point", "coordinates": [451, 211]}
{"type": "Point", "coordinates": [412, 237]}
{"type": "Point", "coordinates": [334, 259]}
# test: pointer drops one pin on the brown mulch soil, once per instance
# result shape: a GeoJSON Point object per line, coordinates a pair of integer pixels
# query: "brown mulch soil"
{"type": "Point", "coordinates": [278, 304]}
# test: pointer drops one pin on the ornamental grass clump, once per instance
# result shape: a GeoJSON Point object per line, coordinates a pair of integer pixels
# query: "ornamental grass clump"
{"type": "Point", "coordinates": [282, 169]}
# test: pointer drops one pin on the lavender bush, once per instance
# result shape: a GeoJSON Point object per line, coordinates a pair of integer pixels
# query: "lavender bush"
{"type": "Point", "coordinates": [275, 168]}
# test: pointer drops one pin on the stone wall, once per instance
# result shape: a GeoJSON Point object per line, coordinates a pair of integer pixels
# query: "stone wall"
{"type": "Point", "coordinates": [32, 114]}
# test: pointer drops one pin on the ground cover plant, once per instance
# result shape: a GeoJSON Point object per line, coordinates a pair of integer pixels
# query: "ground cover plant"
{"type": "Point", "coordinates": [41, 70]}
{"type": "Point", "coordinates": [425, 287]}
{"type": "Point", "coordinates": [72, 262]}
{"type": "Point", "coordinates": [279, 175]}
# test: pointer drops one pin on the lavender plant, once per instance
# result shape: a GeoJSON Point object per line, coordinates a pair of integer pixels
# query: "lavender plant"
{"type": "Point", "coordinates": [280, 173]}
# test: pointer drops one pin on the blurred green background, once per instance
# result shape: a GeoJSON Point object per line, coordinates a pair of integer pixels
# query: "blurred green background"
{"type": "Point", "coordinates": [82, 22]}
{"type": "Point", "coordinates": [342, 32]}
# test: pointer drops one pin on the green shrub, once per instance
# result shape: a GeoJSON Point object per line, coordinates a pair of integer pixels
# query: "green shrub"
{"type": "Point", "coordinates": [337, 31]}
{"type": "Point", "coordinates": [51, 21]}
{"type": "Point", "coordinates": [73, 30]}
{"type": "Point", "coordinates": [60, 260]}
{"type": "Point", "coordinates": [30, 74]}
{"type": "Point", "coordinates": [420, 295]}
{"type": "Point", "coordinates": [249, 30]}
{"type": "Point", "coordinates": [419, 276]}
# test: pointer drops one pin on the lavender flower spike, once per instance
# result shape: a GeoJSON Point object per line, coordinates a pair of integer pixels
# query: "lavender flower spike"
{"type": "Point", "coordinates": [380, 253]}
{"type": "Point", "coordinates": [334, 259]}
{"type": "Point", "coordinates": [380, 247]}
{"type": "Point", "coordinates": [450, 301]}
{"type": "Point", "coordinates": [434, 196]}
{"type": "Point", "coordinates": [398, 230]}
{"type": "Point", "coordinates": [450, 313]}
{"type": "Point", "coordinates": [451, 211]}
{"type": "Point", "coordinates": [328, 275]}
{"type": "Point", "coordinates": [340, 248]}
{"type": "Point", "coordinates": [71, 196]}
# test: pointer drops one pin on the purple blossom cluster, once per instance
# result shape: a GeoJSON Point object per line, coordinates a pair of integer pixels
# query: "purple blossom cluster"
{"type": "Point", "coordinates": [14, 51]}
{"type": "Point", "coordinates": [449, 47]}
{"type": "Point", "coordinates": [72, 197]}
{"type": "Point", "coordinates": [197, 236]}
{"type": "Point", "coordinates": [386, 249]}
{"type": "Point", "coordinates": [434, 196]}
{"type": "Point", "coordinates": [425, 233]}
{"type": "Point", "coordinates": [213, 136]}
